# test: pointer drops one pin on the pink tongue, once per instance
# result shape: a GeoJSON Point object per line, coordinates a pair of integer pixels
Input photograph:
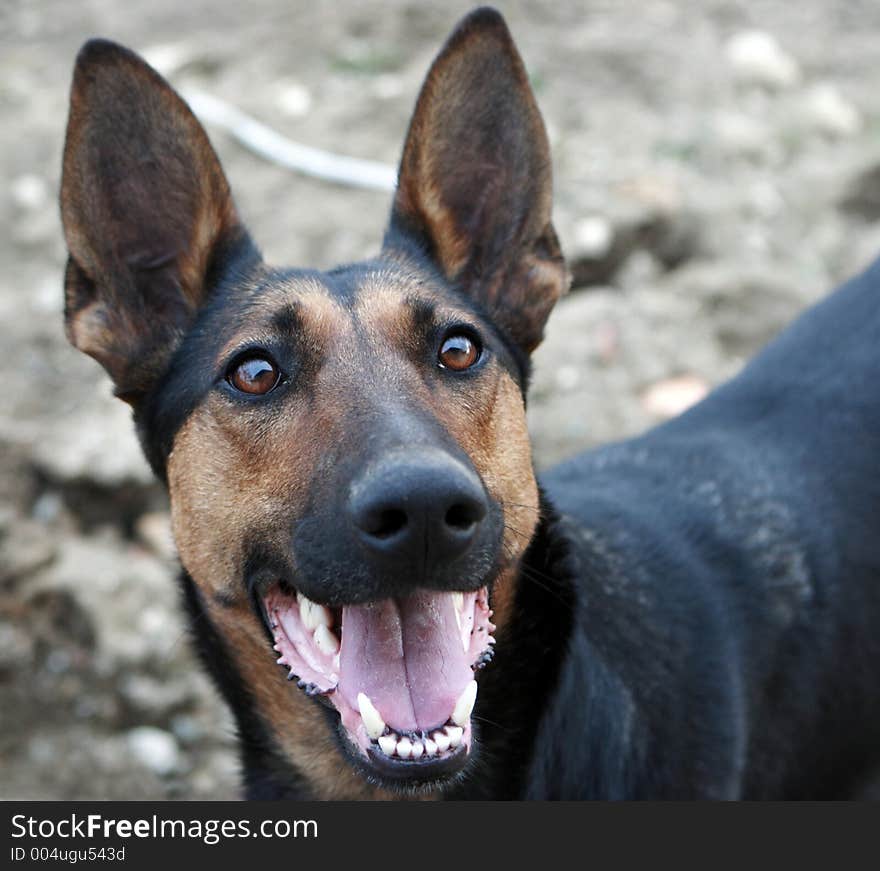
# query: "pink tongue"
{"type": "Point", "coordinates": [407, 656]}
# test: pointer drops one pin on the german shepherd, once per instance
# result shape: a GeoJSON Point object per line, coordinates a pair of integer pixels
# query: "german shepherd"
{"type": "Point", "coordinates": [389, 601]}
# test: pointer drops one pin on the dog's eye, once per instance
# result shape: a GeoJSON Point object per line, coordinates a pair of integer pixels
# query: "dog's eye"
{"type": "Point", "coordinates": [458, 352]}
{"type": "Point", "coordinates": [255, 375]}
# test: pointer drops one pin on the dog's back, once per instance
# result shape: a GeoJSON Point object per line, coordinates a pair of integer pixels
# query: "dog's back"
{"type": "Point", "coordinates": [731, 578]}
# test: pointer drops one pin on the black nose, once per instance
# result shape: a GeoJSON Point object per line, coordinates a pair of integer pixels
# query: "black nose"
{"type": "Point", "coordinates": [420, 509]}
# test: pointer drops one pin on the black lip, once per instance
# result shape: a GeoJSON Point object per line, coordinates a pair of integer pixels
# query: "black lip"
{"type": "Point", "coordinates": [420, 771]}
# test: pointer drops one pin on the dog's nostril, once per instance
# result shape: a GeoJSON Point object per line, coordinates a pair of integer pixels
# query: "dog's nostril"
{"type": "Point", "coordinates": [385, 524]}
{"type": "Point", "coordinates": [462, 516]}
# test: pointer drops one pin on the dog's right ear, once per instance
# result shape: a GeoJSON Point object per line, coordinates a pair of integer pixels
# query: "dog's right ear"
{"type": "Point", "coordinates": [146, 210]}
{"type": "Point", "coordinates": [474, 188]}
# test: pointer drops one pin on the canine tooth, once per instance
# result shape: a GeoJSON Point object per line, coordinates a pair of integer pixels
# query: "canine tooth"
{"type": "Point", "coordinates": [404, 748]}
{"type": "Point", "coordinates": [373, 722]}
{"type": "Point", "coordinates": [430, 747]}
{"type": "Point", "coordinates": [417, 749]}
{"type": "Point", "coordinates": [388, 743]}
{"type": "Point", "coordinates": [454, 733]}
{"type": "Point", "coordinates": [326, 641]}
{"type": "Point", "coordinates": [465, 704]}
{"type": "Point", "coordinates": [442, 741]}
{"type": "Point", "coordinates": [314, 615]}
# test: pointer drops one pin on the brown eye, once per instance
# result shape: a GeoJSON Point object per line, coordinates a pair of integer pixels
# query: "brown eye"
{"type": "Point", "coordinates": [458, 352]}
{"type": "Point", "coordinates": [254, 375]}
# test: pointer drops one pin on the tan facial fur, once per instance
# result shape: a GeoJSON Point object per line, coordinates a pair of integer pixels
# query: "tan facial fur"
{"type": "Point", "coordinates": [237, 475]}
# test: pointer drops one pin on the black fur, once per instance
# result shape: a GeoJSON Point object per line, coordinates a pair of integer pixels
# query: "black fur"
{"type": "Point", "coordinates": [698, 614]}
{"type": "Point", "coordinates": [726, 631]}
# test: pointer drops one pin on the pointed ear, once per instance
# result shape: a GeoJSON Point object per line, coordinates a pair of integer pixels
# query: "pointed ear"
{"type": "Point", "coordinates": [475, 186]}
{"type": "Point", "coordinates": [146, 212]}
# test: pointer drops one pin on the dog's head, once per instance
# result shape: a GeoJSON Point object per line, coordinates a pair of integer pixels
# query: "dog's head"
{"type": "Point", "coordinates": [346, 452]}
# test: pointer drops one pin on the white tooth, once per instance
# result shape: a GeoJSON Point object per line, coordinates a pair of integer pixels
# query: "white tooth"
{"type": "Point", "coordinates": [305, 612]}
{"type": "Point", "coordinates": [404, 748]}
{"type": "Point", "coordinates": [465, 704]}
{"type": "Point", "coordinates": [314, 615]}
{"type": "Point", "coordinates": [454, 733]}
{"type": "Point", "coordinates": [373, 722]}
{"type": "Point", "coordinates": [417, 749]}
{"type": "Point", "coordinates": [430, 747]}
{"type": "Point", "coordinates": [326, 641]}
{"type": "Point", "coordinates": [388, 743]}
{"type": "Point", "coordinates": [442, 741]}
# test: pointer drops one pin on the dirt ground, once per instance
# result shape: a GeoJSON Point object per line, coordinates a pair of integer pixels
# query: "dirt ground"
{"type": "Point", "coordinates": [717, 170]}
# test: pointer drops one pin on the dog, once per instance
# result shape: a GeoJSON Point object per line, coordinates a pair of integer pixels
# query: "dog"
{"type": "Point", "coordinates": [390, 602]}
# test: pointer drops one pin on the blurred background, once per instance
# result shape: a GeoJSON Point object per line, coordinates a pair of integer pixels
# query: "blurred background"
{"type": "Point", "coordinates": [717, 169]}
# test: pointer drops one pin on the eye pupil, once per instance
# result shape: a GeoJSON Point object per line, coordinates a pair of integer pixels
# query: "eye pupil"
{"type": "Point", "coordinates": [458, 352]}
{"type": "Point", "coordinates": [256, 375]}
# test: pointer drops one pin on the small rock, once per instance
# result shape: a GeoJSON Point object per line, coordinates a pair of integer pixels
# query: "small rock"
{"type": "Point", "coordinates": [105, 453]}
{"type": "Point", "coordinates": [170, 57]}
{"type": "Point", "coordinates": [187, 728]}
{"type": "Point", "coordinates": [765, 199]}
{"type": "Point", "coordinates": [293, 98]}
{"type": "Point", "coordinates": [606, 341]}
{"type": "Point", "coordinates": [827, 110]}
{"type": "Point", "coordinates": [155, 749]}
{"type": "Point", "coordinates": [25, 547]}
{"type": "Point", "coordinates": [756, 57]}
{"type": "Point", "coordinates": [47, 507]}
{"type": "Point", "coordinates": [29, 192]}
{"type": "Point", "coordinates": [153, 529]}
{"type": "Point", "coordinates": [567, 378]}
{"type": "Point", "coordinates": [740, 134]}
{"type": "Point", "coordinates": [672, 396]}
{"type": "Point", "coordinates": [593, 237]}
{"type": "Point", "coordinates": [388, 86]}
{"type": "Point", "coordinates": [154, 697]}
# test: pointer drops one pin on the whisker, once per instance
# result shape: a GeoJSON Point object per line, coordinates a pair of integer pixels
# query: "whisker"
{"type": "Point", "coordinates": [536, 508]}
{"type": "Point", "coordinates": [537, 578]}
{"type": "Point", "coordinates": [491, 722]}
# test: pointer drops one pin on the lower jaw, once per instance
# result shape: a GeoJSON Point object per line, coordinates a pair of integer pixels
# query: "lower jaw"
{"type": "Point", "coordinates": [424, 765]}
{"type": "Point", "coordinates": [423, 773]}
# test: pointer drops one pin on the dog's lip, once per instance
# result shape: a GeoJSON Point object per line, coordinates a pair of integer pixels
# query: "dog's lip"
{"type": "Point", "coordinates": [421, 770]}
{"type": "Point", "coordinates": [438, 751]}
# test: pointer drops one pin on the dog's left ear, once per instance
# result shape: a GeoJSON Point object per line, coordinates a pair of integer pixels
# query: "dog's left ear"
{"type": "Point", "coordinates": [475, 186]}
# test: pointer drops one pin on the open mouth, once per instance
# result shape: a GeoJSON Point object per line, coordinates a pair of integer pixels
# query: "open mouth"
{"type": "Point", "coordinates": [400, 672]}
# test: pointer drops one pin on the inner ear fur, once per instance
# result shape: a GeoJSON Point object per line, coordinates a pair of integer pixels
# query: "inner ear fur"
{"type": "Point", "coordinates": [475, 182]}
{"type": "Point", "coordinates": [146, 210]}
